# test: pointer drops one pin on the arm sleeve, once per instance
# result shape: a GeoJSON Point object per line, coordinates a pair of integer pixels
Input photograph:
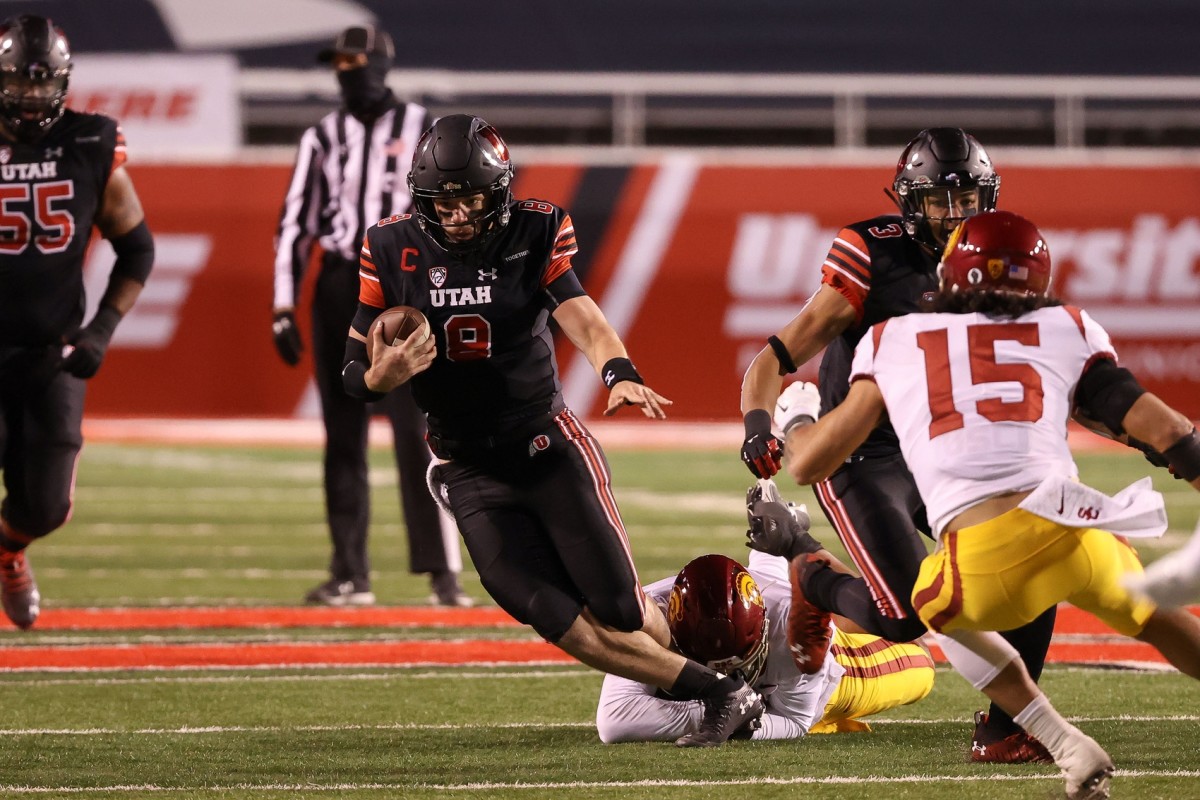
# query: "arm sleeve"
{"type": "Point", "coordinates": [354, 362]}
{"type": "Point", "coordinates": [299, 221]}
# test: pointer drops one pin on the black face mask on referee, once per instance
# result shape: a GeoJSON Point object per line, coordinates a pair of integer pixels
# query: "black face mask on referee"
{"type": "Point", "coordinates": [364, 90]}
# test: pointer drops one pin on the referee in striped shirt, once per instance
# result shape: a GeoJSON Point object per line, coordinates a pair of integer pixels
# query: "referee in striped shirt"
{"type": "Point", "coordinates": [349, 174]}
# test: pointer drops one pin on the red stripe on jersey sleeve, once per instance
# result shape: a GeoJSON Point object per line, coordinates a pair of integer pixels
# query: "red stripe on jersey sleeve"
{"type": "Point", "coordinates": [370, 290]}
{"type": "Point", "coordinates": [565, 246]}
{"type": "Point", "coordinates": [877, 334]}
{"type": "Point", "coordinates": [846, 270]}
{"type": "Point", "coordinates": [1078, 317]}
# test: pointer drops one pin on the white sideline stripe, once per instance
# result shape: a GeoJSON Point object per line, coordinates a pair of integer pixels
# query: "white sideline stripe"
{"type": "Point", "coordinates": [476, 787]}
{"type": "Point", "coordinates": [448, 726]}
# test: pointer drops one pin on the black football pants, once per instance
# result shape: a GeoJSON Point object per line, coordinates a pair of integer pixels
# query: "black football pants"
{"type": "Point", "coordinates": [40, 438]}
{"type": "Point", "coordinates": [542, 527]}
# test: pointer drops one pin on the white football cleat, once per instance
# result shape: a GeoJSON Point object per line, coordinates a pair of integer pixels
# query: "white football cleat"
{"type": "Point", "coordinates": [1087, 769]}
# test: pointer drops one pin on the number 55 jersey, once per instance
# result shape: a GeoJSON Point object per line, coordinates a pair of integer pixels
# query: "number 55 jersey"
{"type": "Point", "coordinates": [489, 311]}
{"type": "Point", "coordinates": [980, 403]}
{"type": "Point", "coordinates": [49, 194]}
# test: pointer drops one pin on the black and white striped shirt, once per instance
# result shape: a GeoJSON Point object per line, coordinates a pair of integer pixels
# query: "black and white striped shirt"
{"type": "Point", "coordinates": [347, 177]}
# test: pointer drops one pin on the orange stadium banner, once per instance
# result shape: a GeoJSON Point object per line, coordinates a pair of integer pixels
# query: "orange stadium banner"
{"type": "Point", "coordinates": [695, 264]}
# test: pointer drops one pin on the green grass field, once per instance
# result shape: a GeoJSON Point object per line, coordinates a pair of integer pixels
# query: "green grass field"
{"type": "Point", "coordinates": [208, 526]}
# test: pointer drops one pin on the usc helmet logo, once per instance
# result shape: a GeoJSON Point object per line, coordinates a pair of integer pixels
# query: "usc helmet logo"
{"type": "Point", "coordinates": [675, 606]}
{"type": "Point", "coordinates": [748, 590]}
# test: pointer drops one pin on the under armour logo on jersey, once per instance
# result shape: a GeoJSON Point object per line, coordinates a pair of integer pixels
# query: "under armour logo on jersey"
{"type": "Point", "coordinates": [437, 275]}
{"type": "Point", "coordinates": [53, 152]}
{"type": "Point", "coordinates": [487, 275]}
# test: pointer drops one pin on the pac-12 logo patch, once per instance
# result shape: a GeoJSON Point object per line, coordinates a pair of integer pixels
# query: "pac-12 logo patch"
{"type": "Point", "coordinates": [438, 276]}
{"type": "Point", "coordinates": [538, 444]}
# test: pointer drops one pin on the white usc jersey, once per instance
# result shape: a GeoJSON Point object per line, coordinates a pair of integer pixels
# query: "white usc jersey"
{"type": "Point", "coordinates": [981, 404]}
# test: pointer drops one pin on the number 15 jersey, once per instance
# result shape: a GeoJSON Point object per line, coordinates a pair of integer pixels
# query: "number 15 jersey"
{"type": "Point", "coordinates": [981, 403]}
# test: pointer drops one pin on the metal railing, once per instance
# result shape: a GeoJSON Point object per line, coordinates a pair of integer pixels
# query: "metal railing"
{"type": "Point", "coordinates": [848, 111]}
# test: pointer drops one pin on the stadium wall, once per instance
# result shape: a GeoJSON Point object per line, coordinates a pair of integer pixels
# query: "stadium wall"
{"type": "Point", "coordinates": [694, 260]}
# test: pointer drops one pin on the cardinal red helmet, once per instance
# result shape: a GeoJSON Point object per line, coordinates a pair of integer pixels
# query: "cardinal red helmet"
{"type": "Point", "coordinates": [998, 250]}
{"type": "Point", "coordinates": [717, 616]}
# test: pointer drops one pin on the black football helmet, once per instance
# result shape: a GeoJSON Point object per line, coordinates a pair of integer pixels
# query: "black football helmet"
{"type": "Point", "coordinates": [936, 162]}
{"type": "Point", "coordinates": [458, 156]}
{"type": "Point", "coordinates": [35, 64]}
{"type": "Point", "coordinates": [717, 616]}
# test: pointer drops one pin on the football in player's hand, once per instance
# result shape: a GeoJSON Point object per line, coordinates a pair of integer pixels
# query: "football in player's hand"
{"type": "Point", "coordinates": [398, 323]}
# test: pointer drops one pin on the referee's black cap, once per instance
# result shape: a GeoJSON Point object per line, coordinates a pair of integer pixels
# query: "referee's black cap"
{"type": "Point", "coordinates": [359, 39]}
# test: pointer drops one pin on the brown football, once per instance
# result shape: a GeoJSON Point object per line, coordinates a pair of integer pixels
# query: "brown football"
{"type": "Point", "coordinates": [398, 323]}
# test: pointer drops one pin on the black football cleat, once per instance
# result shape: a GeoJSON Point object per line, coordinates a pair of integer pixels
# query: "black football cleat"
{"type": "Point", "coordinates": [724, 716]}
{"type": "Point", "coordinates": [340, 594]}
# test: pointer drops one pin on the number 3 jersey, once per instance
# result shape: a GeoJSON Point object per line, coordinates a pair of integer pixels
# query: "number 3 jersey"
{"type": "Point", "coordinates": [49, 195]}
{"type": "Point", "coordinates": [489, 312]}
{"type": "Point", "coordinates": [981, 404]}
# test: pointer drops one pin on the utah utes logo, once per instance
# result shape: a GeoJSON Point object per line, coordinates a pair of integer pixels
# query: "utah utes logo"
{"type": "Point", "coordinates": [438, 276]}
{"type": "Point", "coordinates": [538, 444]}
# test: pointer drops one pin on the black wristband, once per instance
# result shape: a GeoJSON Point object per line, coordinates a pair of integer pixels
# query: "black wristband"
{"type": "Point", "coordinates": [619, 369]}
{"type": "Point", "coordinates": [786, 365]}
{"type": "Point", "coordinates": [1184, 456]}
{"type": "Point", "coordinates": [757, 420]}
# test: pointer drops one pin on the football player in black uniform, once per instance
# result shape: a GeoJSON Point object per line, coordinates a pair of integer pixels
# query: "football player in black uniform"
{"type": "Point", "coordinates": [61, 174]}
{"type": "Point", "coordinates": [877, 269]}
{"type": "Point", "coordinates": [526, 482]}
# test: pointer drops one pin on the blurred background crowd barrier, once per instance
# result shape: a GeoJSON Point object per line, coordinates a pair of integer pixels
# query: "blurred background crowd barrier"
{"type": "Point", "coordinates": [708, 152]}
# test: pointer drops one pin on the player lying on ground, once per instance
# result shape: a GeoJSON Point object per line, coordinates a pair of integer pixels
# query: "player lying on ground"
{"type": "Point", "coordinates": [736, 620]}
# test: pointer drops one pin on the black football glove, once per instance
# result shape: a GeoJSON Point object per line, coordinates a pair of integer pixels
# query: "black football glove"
{"type": "Point", "coordinates": [91, 342]}
{"type": "Point", "coordinates": [774, 527]}
{"type": "Point", "coordinates": [762, 452]}
{"type": "Point", "coordinates": [287, 337]}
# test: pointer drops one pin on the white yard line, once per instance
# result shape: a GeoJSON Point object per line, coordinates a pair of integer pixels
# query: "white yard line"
{"type": "Point", "coordinates": [449, 726]}
{"type": "Point", "coordinates": [307, 788]}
